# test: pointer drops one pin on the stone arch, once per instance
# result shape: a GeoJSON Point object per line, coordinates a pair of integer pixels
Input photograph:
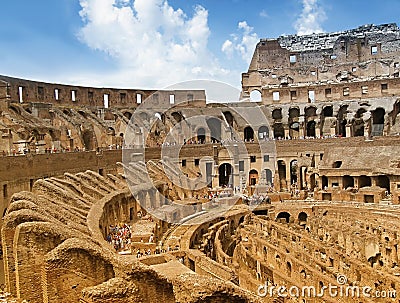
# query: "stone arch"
{"type": "Point", "coordinates": [310, 112]}
{"type": "Point", "coordinates": [284, 215]}
{"type": "Point", "coordinates": [255, 95]}
{"type": "Point", "coordinates": [277, 114]}
{"type": "Point", "coordinates": [294, 125]}
{"type": "Point", "coordinates": [253, 177]}
{"type": "Point", "coordinates": [282, 174]}
{"type": "Point", "coordinates": [15, 109]}
{"type": "Point", "coordinates": [263, 133]}
{"type": "Point", "coordinates": [358, 124]}
{"type": "Point", "coordinates": [82, 113]}
{"type": "Point", "coordinates": [248, 134]}
{"type": "Point", "coordinates": [327, 111]}
{"type": "Point", "coordinates": [302, 217]}
{"type": "Point", "coordinates": [311, 125]}
{"type": "Point", "coordinates": [229, 118]}
{"type": "Point", "coordinates": [342, 121]}
{"type": "Point", "coordinates": [225, 174]}
{"type": "Point", "coordinates": [279, 131]}
{"type": "Point", "coordinates": [177, 117]}
{"type": "Point", "coordinates": [201, 135]}
{"type": "Point", "coordinates": [268, 176]}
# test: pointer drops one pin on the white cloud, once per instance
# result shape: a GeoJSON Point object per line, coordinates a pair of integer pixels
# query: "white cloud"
{"type": "Point", "coordinates": [243, 43]}
{"type": "Point", "coordinates": [154, 44]}
{"type": "Point", "coordinates": [264, 14]}
{"type": "Point", "coordinates": [310, 18]}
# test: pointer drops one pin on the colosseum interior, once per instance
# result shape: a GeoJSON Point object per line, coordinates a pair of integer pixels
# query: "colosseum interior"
{"type": "Point", "coordinates": [127, 195]}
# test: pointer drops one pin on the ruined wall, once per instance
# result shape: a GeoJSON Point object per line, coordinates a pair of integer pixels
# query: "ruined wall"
{"type": "Point", "coordinates": [25, 91]}
{"type": "Point", "coordinates": [323, 61]}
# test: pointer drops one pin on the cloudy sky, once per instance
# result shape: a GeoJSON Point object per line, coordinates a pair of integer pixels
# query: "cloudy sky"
{"type": "Point", "coordinates": [156, 43]}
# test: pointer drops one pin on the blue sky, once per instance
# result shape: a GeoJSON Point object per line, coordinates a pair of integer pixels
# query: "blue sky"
{"type": "Point", "coordinates": [155, 43]}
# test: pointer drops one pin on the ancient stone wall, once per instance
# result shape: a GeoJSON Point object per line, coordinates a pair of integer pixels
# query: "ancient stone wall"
{"type": "Point", "coordinates": [25, 91]}
{"type": "Point", "coordinates": [322, 60]}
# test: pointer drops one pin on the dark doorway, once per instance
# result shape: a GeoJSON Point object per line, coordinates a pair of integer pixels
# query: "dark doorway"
{"type": "Point", "coordinates": [283, 215]}
{"type": "Point", "coordinates": [225, 172]}
{"type": "Point", "coordinates": [248, 134]}
{"type": "Point", "coordinates": [311, 129]}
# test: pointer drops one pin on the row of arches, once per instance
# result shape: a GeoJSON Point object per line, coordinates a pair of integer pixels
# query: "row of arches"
{"type": "Point", "coordinates": [286, 216]}
{"type": "Point", "coordinates": [338, 121]}
{"type": "Point", "coordinates": [225, 175]}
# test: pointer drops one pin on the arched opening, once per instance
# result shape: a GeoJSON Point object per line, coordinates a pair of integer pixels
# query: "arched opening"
{"type": "Point", "coordinates": [214, 125]}
{"type": "Point", "coordinates": [293, 171]}
{"type": "Point", "coordinates": [253, 177]}
{"type": "Point", "coordinates": [324, 182]}
{"type": "Point", "coordinates": [225, 172]}
{"type": "Point", "coordinates": [294, 113]}
{"type": "Point", "coordinates": [177, 116]}
{"type": "Point", "coordinates": [341, 125]}
{"type": "Point", "coordinates": [263, 133]}
{"type": "Point", "coordinates": [310, 112]}
{"type": "Point", "coordinates": [282, 174]}
{"type": "Point", "coordinates": [378, 122]}
{"type": "Point", "coordinates": [283, 215]}
{"type": "Point", "coordinates": [384, 182]}
{"type": "Point", "coordinates": [302, 217]}
{"type": "Point", "coordinates": [277, 114]}
{"type": "Point", "coordinates": [268, 176]}
{"type": "Point", "coordinates": [348, 182]}
{"type": "Point", "coordinates": [326, 120]}
{"type": "Point", "coordinates": [128, 115]}
{"type": "Point", "coordinates": [255, 96]}
{"type": "Point", "coordinates": [327, 111]}
{"type": "Point", "coordinates": [248, 134]}
{"type": "Point", "coordinates": [364, 181]}
{"type": "Point", "coordinates": [358, 123]}
{"type": "Point", "coordinates": [229, 118]}
{"type": "Point", "coordinates": [279, 131]}
{"type": "Point", "coordinates": [82, 113]}
{"type": "Point", "coordinates": [311, 128]}
{"type": "Point", "coordinates": [111, 131]}
{"type": "Point", "coordinates": [289, 269]}
{"type": "Point", "coordinates": [294, 125]}
{"type": "Point", "coordinates": [201, 135]}
{"type": "Point", "coordinates": [88, 140]}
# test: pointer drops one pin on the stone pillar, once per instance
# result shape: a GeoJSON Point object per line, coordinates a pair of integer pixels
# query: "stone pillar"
{"type": "Point", "coordinates": [348, 130]}
{"type": "Point", "coordinates": [288, 176]}
{"type": "Point", "coordinates": [317, 130]}
{"type": "Point", "coordinates": [286, 131]}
